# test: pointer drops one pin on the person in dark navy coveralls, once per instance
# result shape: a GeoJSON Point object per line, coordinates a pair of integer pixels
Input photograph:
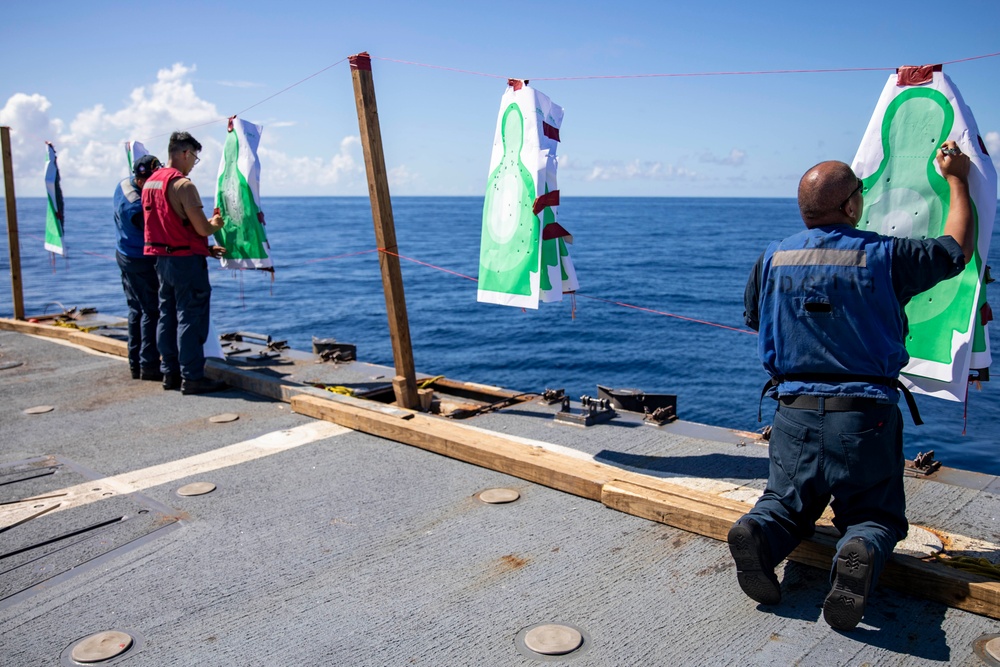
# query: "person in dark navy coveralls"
{"type": "Point", "coordinates": [828, 303]}
{"type": "Point", "coordinates": [138, 272]}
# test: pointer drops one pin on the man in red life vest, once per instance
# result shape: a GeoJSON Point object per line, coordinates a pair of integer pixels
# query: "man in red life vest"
{"type": "Point", "coordinates": [176, 233]}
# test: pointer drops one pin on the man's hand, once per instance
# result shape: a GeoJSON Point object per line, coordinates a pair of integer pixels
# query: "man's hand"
{"type": "Point", "coordinates": [217, 250]}
{"type": "Point", "coordinates": [953, 162]}
{"type": "Point", "coordinates": [216, 223]}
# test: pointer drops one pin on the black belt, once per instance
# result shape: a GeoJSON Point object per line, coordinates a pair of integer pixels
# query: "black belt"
{"type": "Point", "coordinates": [169, 248]}
{"type": "Point", "coordinates": [839, 378]}
{"type": "Point", "coordinates": [831, 403]}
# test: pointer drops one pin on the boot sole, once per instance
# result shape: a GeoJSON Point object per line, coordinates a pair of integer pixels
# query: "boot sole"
{"type": "Point", "coordinates": [844, 607]}
{"type": "Point", "coordinates": [754, 579]}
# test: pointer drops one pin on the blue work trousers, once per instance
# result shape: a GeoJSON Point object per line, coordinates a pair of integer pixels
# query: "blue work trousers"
{"type": "Point", "coordinates": [185, 296]}
{"type": "Point", "coordinates": [855, 457]}
{"type": "Point", "coordinates": [141, 287]}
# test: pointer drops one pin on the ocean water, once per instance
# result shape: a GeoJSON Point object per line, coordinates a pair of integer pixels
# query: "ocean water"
{"type": "Point", "coordinates": [687, 257]}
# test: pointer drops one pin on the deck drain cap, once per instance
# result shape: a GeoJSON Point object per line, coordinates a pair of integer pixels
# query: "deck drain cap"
{"type": "Point", "coordinates": [102, 646]}
{"type": "Point", "coordinates": [196, 489]}
{"type": "Point", "coordinates": [499, 496]}
{"type": "Point", "coordinates": [552, 639]}
{"type": "Point", "coordinates": [39, 409]}
{"type": "Point", "coordinates": [224, 418]}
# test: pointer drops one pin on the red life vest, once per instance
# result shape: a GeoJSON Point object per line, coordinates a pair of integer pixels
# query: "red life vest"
{"type": "Point", "coordinates": [166, 233]}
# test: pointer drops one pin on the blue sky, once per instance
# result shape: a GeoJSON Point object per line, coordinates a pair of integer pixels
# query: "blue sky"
{"type": "Point", "coordinates": [88, 76]}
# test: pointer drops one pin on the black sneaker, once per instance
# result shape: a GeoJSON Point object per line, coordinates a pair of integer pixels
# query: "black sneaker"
{"type": "Point", "coordinates": [151, 374]}
{"type": "Point", "coordinates": [135, 372]}
{"type": "Point", "coordinates": [845, 605]}
{"type": "Point", "coordinates": [753, 568]}
{"type": "Point", "coordinates": [202, 386]}
{"type": "Point", "coordinates": [171, 381]}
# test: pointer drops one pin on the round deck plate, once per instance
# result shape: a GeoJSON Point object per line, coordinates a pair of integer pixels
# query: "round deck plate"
{"type": "Point", "coordinates": [39, 410]}
{"type": "Point", "coordinates": [224, 418]}
{"type": "Point", "coordinates": [196, 489]}
{"type": "Point", "coordinates": [101, 647]}
{"type": "Point", "coordinates": [987, 647]}
{"type": "Point", "coordinates": [499, 496]}
{"type": "Point", "coordinates": [552, 639]}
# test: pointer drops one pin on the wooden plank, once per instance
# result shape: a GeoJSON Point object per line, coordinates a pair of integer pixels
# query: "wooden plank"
{"type": "Point", "coordinates": [37, 329]}
{"type": "Point", "coordinates": [13, 242]}
{"type": "Point", "coordinates": [577, 476]}
{"type": "Point", "coordinates": [704, 516]}
{"type": "Point", "coordinates": [385, 231]}
{"type": "Point", "coordinates": [693, 511]}
{"type": "Point", "coordinates": [99, 343]}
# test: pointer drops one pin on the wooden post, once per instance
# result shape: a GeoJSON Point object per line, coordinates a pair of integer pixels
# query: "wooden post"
{"type": "Point", "coordinates": [404, 385]}
{"type": "Point", "coordinates": [13, 242]}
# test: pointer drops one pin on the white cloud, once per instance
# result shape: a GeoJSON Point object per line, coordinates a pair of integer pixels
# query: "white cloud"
{"type": "Point", "coordinates": [91, 146]}
{"type": "Point", "coordinates": [92, 155]}
{"type": "Point", "coordinates": [638, 170]}
{"type": "Point", "coordinates": [402, 177]}
{"type": "Point", "coordinates": [340, 174]}
{"type": "Point", "coordinates": [735, 158]}
{"type": "Point", "coordinates": [28, 118]}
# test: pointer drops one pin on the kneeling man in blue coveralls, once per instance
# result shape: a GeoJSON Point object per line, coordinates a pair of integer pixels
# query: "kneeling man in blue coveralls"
{"type": "Point", "coordinates": [177, 234]}
{"type": "Point", "coordinates": [828, 303]}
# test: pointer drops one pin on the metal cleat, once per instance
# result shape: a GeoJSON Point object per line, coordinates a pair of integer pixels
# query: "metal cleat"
{"type": "Point", "coordinates": [659, 416]}
{"type": "Point", "coordinates": [922, 465]}
{"type": "Point", "coordinates": [593, 411]}
{"type": "Point", "coordinates": [553, 396]}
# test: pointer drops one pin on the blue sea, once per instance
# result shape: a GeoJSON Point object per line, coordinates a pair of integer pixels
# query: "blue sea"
{"type": "Point", "coordinates": [686, 257]}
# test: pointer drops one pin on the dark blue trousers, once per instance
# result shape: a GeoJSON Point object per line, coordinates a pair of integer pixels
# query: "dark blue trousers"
{"type": "Point", "coordinates": [141, 287]}
{"type": "Point", "coordinates": [185, 296]}
{"type": "Point", "coordinates": [855, 457]}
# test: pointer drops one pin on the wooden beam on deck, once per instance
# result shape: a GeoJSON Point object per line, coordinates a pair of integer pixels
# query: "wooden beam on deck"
{"type": "Point", "coordinates": [385, 230]}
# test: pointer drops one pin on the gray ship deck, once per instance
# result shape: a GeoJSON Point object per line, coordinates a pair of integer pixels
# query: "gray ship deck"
{"type": "Point", "coordinates": [325, 545]}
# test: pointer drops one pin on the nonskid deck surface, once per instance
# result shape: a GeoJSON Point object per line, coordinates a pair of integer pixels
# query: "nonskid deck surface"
{"type": "Point", "coordinates": [324, 544]}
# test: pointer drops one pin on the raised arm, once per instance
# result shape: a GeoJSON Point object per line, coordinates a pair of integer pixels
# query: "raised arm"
{"type": "Point", "coordinates": [959, 225]}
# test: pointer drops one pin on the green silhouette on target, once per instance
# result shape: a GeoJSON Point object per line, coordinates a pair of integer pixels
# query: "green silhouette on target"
{"type": "Point", "coordinates": [907, 197]}
{"type": "Point", "coordinates": [509, 250]}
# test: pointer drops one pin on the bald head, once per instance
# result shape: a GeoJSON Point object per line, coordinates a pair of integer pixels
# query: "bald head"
{"type": "Point", "coordinates": [822, 192]}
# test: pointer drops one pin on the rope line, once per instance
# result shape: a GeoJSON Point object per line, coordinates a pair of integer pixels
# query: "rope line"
{"type": "Point", "coordinates": [660, 75]}
{"type": "Point", "coordinates": [439, 268]}
{"type": "Point", "coordinates": [240, 113]}
{"type": "Point", "coordinates": [660, 312]}
{"type": "Point", "coordinates": [680, 74]}
{"type": "Point", "coordinates": [449, 69]}
{"type": "Point", "coordinates": [585, 296]}
{"type": "Point", "coordinates": [348, 254]}
{"type": "Point", "coordinates": [292, 86]}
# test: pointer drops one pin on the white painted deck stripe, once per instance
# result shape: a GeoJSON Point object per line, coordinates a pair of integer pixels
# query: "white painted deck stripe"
{"type": "Point", "coordinates": [164, 473]}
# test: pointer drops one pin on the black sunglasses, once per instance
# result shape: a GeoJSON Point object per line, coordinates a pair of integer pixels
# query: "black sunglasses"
{"type": "Point", "coordinates": [855, 191]}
